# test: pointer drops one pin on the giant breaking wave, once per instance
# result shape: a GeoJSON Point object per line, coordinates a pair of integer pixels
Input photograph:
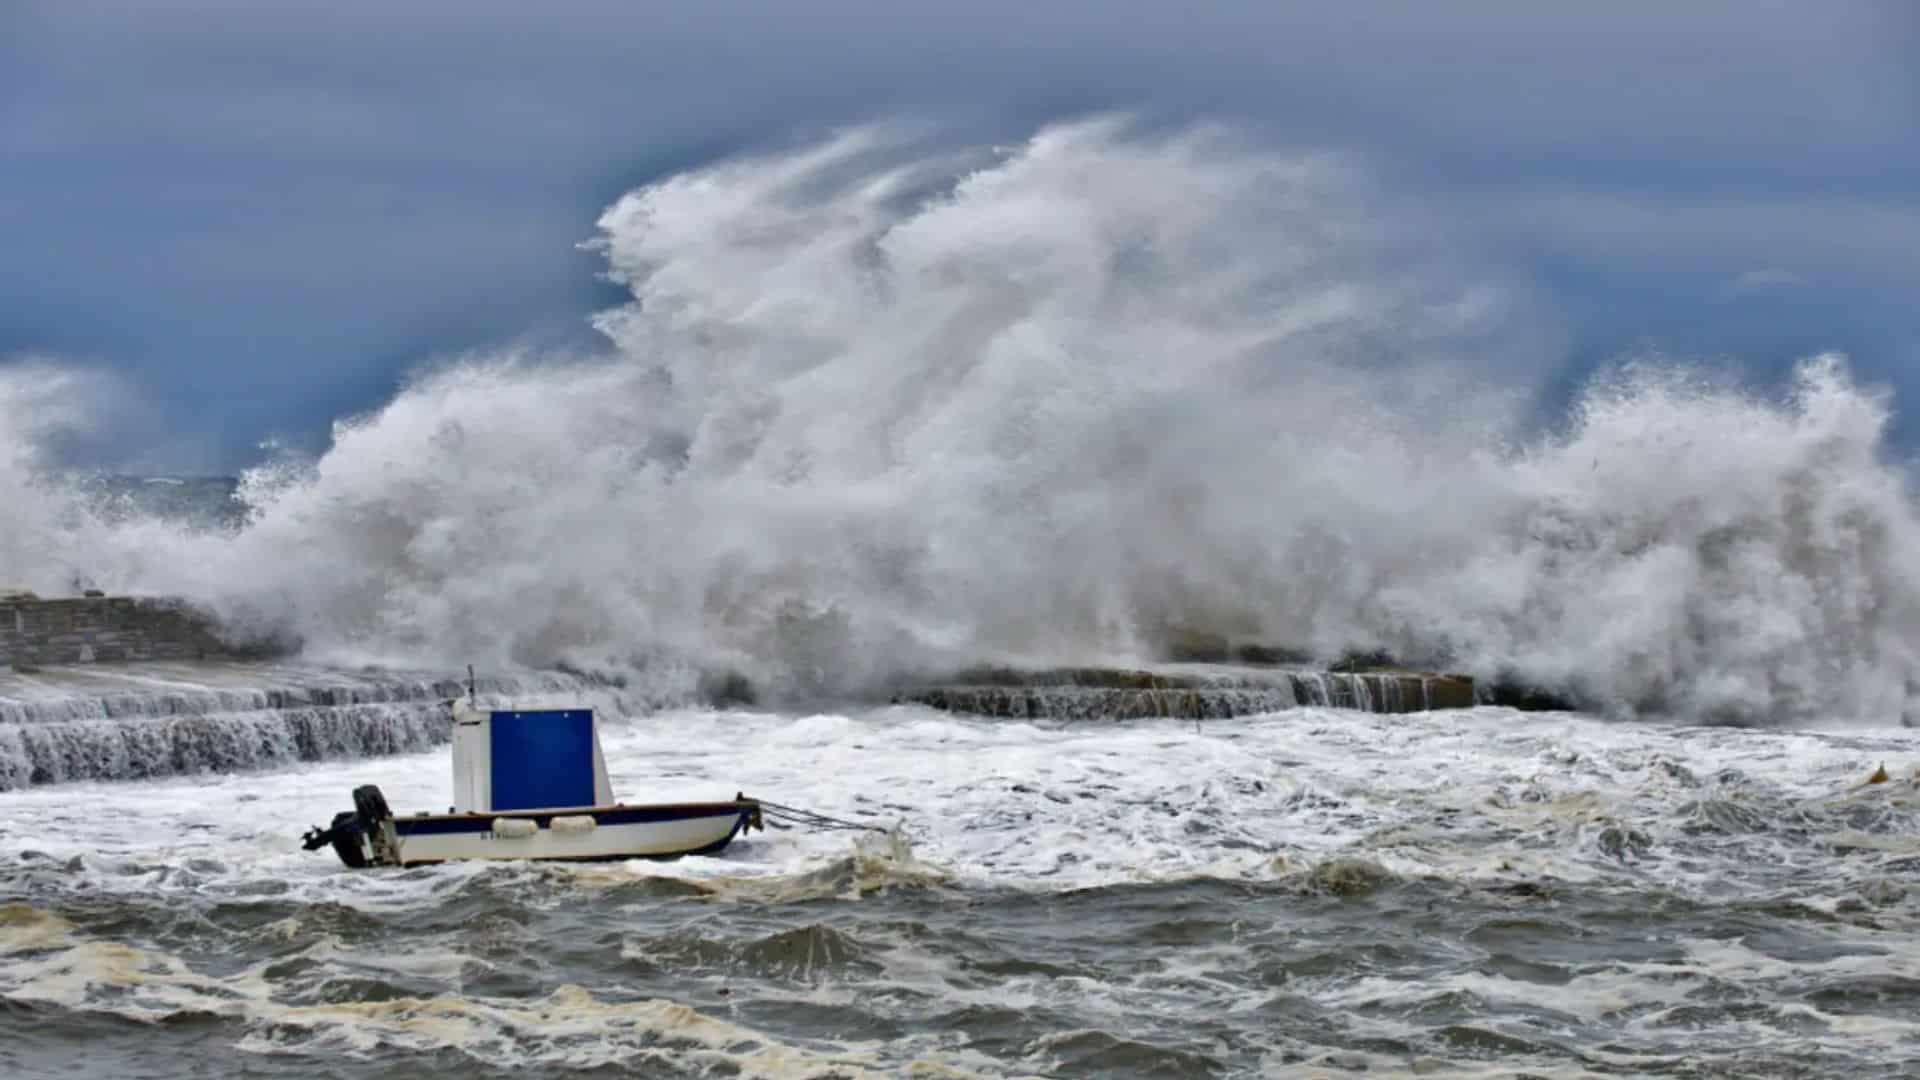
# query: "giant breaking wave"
{"type": "Point", "coordinates": [873, 410]}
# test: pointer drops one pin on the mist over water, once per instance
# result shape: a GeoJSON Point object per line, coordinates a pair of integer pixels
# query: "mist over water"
{"type": "Point", "coordinates": [876, 408]}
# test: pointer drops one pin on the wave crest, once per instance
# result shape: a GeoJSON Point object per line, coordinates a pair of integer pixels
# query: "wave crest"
{"type": "Point", "coordinates": [873, 408]}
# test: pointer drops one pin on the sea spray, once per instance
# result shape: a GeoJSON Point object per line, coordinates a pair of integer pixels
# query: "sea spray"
{"type": "Point", "coordinates": [869, 411]}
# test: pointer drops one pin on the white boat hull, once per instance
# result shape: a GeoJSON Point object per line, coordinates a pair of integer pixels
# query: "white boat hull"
{"type": "Point", "coordinates": [583, 833]}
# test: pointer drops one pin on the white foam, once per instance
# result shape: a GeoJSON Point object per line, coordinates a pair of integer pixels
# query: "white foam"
{"type": "Point", "coordinates": [1472, 795]}
{"type": "Point", "coordinates": [1099, 384]}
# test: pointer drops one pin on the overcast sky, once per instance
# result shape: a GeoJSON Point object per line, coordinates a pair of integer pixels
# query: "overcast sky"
{"type": "Point", "coordinates": [262, 213]}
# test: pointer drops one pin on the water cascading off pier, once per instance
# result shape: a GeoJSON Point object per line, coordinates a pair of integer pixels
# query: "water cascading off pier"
{"type": "Point", "coordinates": [1185, 692]}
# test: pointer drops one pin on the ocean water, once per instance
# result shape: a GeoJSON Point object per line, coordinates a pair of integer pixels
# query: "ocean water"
{"type": "Point", "coordinates": [1309, 892]}
{"type": "Point", "coordinates": [876, 410]}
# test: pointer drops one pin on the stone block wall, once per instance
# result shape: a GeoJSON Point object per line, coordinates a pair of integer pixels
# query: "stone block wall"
{"type": "Point", "coordinates": [102, 629]}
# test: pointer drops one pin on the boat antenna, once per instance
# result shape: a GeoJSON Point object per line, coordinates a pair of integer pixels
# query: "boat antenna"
{"type": "Point", "coordinates": [470, 700]}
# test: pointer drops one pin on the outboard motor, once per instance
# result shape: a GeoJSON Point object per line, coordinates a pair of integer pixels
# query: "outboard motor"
{"type": "Point", "coordinates": [353, 832]}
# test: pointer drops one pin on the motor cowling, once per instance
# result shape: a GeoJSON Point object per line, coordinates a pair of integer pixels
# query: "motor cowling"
{"type": "Point", "coordinates": [371, 806]}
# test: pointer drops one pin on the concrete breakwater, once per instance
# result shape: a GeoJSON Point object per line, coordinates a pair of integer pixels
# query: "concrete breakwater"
{"type": "Point", "coordinates": [134, 721]}
{"type": "Point", "coordinates": [128, 721]}
{"type": "Point", "coordinates": [1187, 692]}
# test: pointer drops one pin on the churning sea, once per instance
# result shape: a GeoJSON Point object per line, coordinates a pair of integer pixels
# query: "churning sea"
{"type": "Point", "coordinates": [1311, 892]}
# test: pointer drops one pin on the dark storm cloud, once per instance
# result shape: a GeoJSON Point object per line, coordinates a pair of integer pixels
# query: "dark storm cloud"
{"type": "Point", "coordinates": [262, 213]}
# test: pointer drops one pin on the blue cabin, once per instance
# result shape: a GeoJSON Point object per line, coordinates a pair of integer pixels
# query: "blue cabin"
{"type": "Point", "coordinates": [527, 759]}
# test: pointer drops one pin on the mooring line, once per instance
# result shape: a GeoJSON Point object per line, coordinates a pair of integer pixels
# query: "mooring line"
{"type": "Point", "coordinates": [793, 815]}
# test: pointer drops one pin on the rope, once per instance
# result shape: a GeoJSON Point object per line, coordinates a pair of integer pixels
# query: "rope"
{"type": "Point", "coordinates": [793, 815]}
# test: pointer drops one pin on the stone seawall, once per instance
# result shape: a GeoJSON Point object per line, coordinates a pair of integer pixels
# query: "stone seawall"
{"type": "Point", "coordinates": [1215, 691]}
{"type": "Point", "coordinates": [100, 629]}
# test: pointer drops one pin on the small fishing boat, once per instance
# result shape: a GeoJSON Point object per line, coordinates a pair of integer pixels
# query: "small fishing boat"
{"type": "Point", "coordinates": [529, 784]}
